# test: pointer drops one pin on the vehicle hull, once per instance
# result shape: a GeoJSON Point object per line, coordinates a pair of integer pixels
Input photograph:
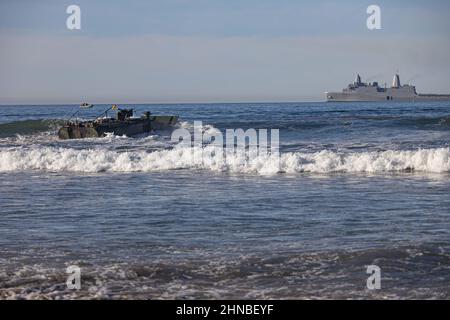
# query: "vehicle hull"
{"type": "Point", "coordinates": [129, 127]}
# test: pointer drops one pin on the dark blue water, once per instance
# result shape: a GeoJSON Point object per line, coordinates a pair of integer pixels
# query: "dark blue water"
{"type": "Point", "coordinates": [358, 184]}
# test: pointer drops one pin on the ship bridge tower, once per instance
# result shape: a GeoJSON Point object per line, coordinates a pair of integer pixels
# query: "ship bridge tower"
{"type": "Point", "coordinates": [358, 80]}
{"type": "Point", "coordinates": [396, 81]}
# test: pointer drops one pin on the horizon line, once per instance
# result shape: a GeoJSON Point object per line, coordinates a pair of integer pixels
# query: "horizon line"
{"type": "Point", "coordinates": [157, 103]}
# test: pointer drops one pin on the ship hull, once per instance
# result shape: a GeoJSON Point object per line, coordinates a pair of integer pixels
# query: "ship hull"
{"type": "Point", "coordinates": [348, 97]}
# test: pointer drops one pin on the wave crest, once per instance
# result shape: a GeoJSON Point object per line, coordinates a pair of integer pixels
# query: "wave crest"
{"type": "Point", "coordinates": [25, 127]}
{"type": "Point", "coordinates": [101, 160]}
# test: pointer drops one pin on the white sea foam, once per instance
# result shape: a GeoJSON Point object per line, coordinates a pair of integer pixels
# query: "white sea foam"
{"type": "Point", "coordinates": [104, 160]}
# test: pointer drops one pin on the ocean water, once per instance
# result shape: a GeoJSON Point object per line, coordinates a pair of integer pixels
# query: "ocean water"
{"type": "Point", "coordinates": [357, 184]}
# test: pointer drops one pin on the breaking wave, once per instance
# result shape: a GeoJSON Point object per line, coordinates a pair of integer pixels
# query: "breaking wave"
{"type": "Point", "coordinates": [26, 127]}
{"type": "Point", "coordinates": [56, 159]}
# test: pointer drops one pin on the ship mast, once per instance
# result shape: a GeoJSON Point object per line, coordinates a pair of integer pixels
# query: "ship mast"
{"type": "Point", "coordinates": [396, 81]}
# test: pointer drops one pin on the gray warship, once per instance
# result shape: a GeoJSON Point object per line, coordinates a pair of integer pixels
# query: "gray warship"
{"type": "Point", "coordinates": [359, 91]}
{"type": "Point", "coordinates": [123, 124]}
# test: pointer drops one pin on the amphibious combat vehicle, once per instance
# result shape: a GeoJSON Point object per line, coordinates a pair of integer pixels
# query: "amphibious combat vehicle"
{"type": "Point", "coordinates": [123, 124]}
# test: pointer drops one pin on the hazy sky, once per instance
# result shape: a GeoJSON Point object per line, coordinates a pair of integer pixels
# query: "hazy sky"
{"type": "Point", "coordinates": [216, 50]}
